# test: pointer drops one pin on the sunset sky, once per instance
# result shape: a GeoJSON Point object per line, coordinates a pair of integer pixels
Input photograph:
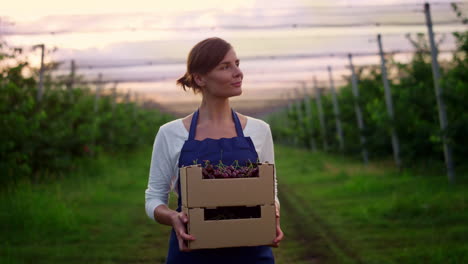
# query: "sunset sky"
{"type": "Point", "coordinates": [121, 38]}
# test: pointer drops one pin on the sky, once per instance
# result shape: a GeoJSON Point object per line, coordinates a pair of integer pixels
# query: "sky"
{"type": "Point", "coordinates": [144, 44]}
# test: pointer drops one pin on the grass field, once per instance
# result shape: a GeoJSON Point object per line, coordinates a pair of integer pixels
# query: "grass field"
{"type": "Point", "coordinates": [94, 215]}
{"type": "Point", "coordinates": [372, 214]}
{"type": "Point", "coordinates": [333, 211]}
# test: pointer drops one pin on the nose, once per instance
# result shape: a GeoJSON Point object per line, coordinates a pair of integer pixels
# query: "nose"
{"type": "Point", "coordinates": [238, 73]}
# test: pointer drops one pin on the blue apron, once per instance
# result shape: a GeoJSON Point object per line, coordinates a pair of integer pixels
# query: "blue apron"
{"type": "Point", "coordinates": [228, 150]}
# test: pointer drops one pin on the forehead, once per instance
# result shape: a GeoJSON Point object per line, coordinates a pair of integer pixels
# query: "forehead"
{"type": "Point", "coordinates": [229, 57]}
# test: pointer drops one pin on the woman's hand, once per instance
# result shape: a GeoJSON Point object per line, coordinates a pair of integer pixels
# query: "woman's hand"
{"type": "Point", "coordinates": [179, 223]}
{"type": "Point", "coordinates": [279, 232]}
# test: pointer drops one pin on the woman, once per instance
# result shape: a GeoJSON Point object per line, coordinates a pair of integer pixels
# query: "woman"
{"type": "Point", "coordinates": [212, 70]}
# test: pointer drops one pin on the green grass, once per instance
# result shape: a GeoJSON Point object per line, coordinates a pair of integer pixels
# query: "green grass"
{"type": "Point", "coordinates": [375, 214]}
{"type": "Point", "coordinates": [94, 215]}
{"type": "Point", "coordinates": [334, 210]}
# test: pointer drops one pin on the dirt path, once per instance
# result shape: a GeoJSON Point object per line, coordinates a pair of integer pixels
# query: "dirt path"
{"type": "Point", "coordinates": [322, 244]}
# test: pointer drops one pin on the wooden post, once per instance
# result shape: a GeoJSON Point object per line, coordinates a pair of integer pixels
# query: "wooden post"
{"type": "Point", "coordinates": [114, 96]}
{"type": "Point", "coordinates": [309, 123]}
{"type": "Point", "coordinates": [336, 110]}
{"type": "Point", "coordinates": [40, 88]}
{"type": "Point", "coordinates": [127, 97]}
{"type": "Point", "coordinates": [290, 112]}
{"type": "Point", "coordinates": [96, 109]}
{"type": "Point", "coordinates": [135, 104]}
{"type": "Point", "coordinates": [285, 114]}
{"type": "Point", "coordinates": [439, 98]}
{"type": "Point", "coordinates": [389, 103]}
{"type": "Point", "coordinates": [72, 75]}
{"type": "Point", "coordinates": [357, 108]}
{"type": "Point", "coordinates": [300, 115]}
{"type": "Point", "coordinates": [71, 80]}
{"type": "Point", "coordinates": [318, 98]}
{"type": "Point", "coordinates": [97, 92]}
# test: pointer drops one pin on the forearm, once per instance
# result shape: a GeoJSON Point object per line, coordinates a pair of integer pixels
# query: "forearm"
{"type": "Point", "coordinates": [277, 207]}
{"type": "Point", "coordinates": [164, 215]}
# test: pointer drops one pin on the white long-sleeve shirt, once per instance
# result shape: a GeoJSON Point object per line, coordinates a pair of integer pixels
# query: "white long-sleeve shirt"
{"type": "Point", "coordinates": [164, 170]}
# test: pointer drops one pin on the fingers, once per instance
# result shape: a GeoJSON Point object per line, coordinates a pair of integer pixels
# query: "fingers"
{"type": "Point", "coordinates": [180, 227]}
{"type": "Point", "coordinates": [279, 236]}
{"type": "Point", "coordinates": [279, 232]}
{"type": "Point", "coordinates": [183, 217]}
{"type": "Point", "coordinates": [183, 238]}
{"type": "Point", "coordinates": [181, 232]}
{"type": "Point", "coordinates": [183, 245]}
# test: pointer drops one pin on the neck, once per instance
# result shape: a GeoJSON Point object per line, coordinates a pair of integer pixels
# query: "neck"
{"type": "Point", "coordinates": [215, 110]}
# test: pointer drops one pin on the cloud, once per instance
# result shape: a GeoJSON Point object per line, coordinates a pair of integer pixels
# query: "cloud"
{"type": "Point", "coordinates": [125, 33]}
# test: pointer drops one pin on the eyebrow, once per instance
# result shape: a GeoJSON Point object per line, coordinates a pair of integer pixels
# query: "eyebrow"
{"type": "Point", "coordinates": [227, 62]}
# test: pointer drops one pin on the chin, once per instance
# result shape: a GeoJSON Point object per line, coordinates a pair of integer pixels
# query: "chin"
{"type": "Point", "coordinates": [237, 93]}
{"type": "Point", "coordinates": [231, 93]}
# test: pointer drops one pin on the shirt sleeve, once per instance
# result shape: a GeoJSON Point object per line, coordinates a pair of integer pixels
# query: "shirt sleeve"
{"type": "Point", "coordinates": [267, 154]}
{"type": "Point", "coordinates": [159, 182]}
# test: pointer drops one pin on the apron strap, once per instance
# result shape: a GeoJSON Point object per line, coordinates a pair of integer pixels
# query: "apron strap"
{"type": "Point", "coordinates": [239, 131]}
{"type": "Point", "coordinates": [193, 125]}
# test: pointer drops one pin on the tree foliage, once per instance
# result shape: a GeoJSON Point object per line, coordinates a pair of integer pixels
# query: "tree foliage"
{"type": "Point", "coordinates": [48, 136]}
{"type": "Point", "coordinates": [416, 112]}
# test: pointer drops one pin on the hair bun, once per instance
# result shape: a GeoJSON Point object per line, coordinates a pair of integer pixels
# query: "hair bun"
{"type": "Point", "coordinates": [184, 82]}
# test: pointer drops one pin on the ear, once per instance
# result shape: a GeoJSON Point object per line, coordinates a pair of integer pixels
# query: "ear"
{"type": "Point", "coordinates": [199, 79]}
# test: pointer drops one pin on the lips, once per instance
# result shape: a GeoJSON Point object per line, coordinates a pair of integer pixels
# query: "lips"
{"type": "Point", "coordinates": [237, 84]}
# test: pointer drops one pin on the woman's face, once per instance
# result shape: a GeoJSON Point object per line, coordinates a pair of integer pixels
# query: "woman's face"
{"type": "Point", "coordinates": [225, 80]}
